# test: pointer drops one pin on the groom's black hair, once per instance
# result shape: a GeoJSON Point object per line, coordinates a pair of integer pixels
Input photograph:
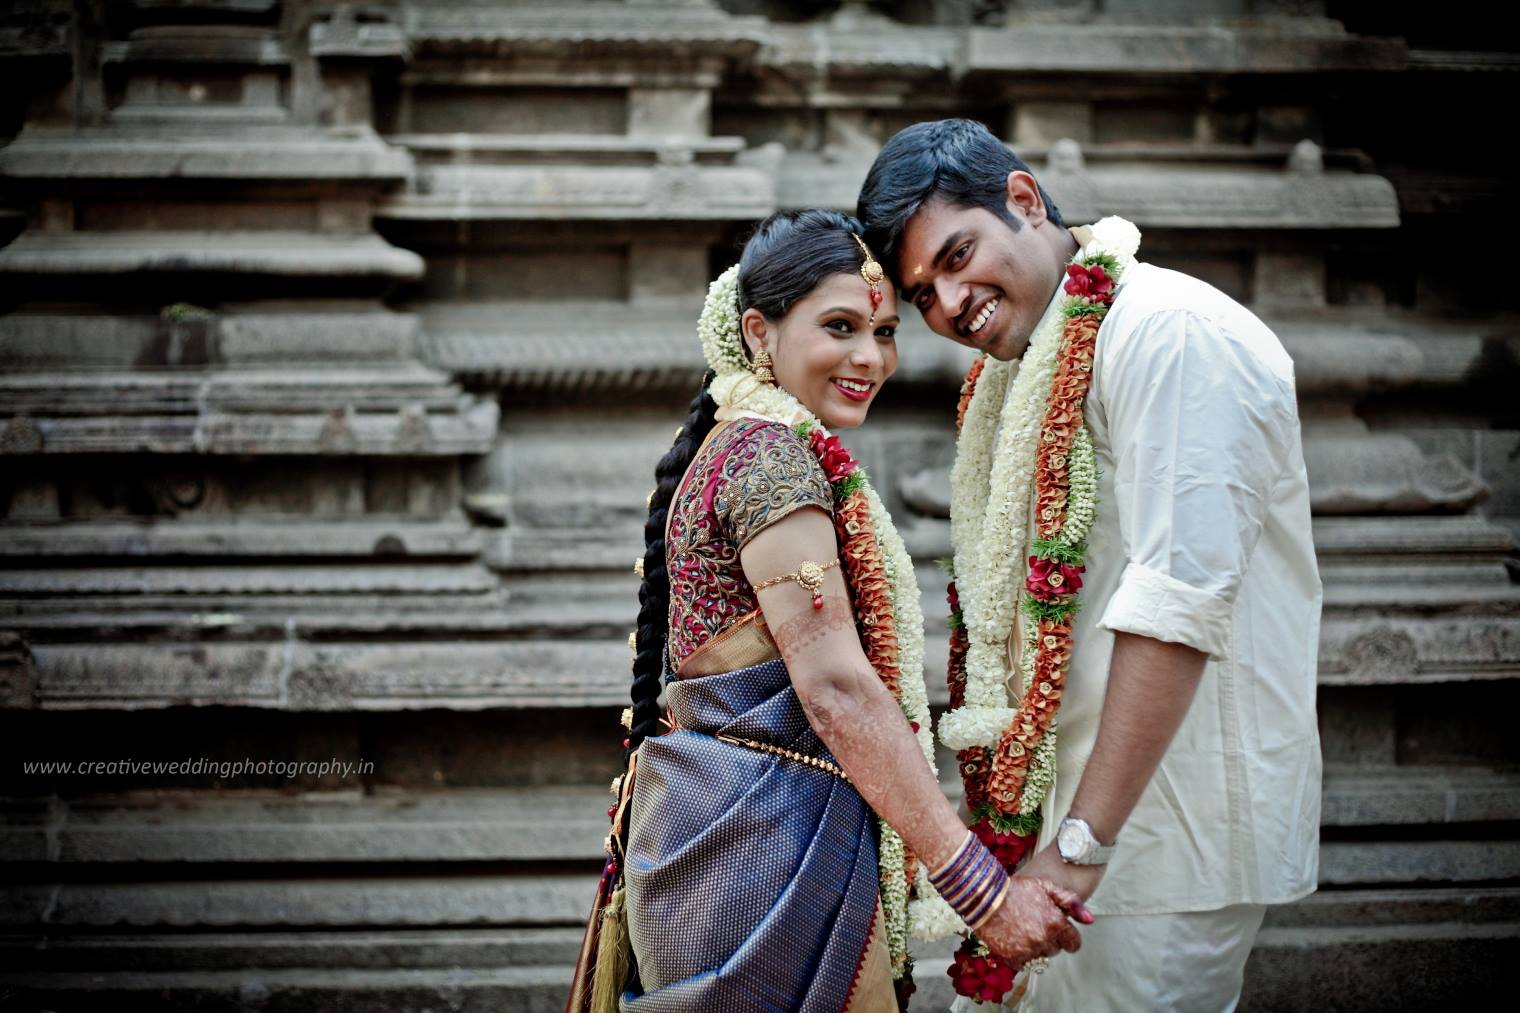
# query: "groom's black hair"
{"type": "Point", "coordinates": [958, 161]}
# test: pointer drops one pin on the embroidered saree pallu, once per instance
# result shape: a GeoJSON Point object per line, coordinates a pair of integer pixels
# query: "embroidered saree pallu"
{"type": "Point", "coordinates": [751, 877]}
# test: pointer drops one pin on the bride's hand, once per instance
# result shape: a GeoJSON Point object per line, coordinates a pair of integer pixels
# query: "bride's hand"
{"type": "Point", "coordinates": [1033, 921]}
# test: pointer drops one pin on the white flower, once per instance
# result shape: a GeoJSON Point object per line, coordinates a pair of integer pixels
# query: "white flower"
{"type": "Point", "coordinates": [718, 326]}
{"type": "Point", "coordinates": [1114, 236]}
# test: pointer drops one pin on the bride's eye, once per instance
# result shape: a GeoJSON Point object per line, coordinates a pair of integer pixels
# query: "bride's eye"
{"type": "Point", "coordinates": [886, 333]}
{"type": "Point", "coordinates": [840, 327]}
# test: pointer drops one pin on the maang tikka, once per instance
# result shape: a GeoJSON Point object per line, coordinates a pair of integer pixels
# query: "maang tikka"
{"type": "Point", "coordinates": [873, 274]}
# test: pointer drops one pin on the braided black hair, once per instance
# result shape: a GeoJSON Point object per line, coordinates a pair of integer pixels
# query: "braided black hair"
{"type": "Point", "coordinates": [784, 259]}
{"type": "Point", "coordinates": [654, 592]}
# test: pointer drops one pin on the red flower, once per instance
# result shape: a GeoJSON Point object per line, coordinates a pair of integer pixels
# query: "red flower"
{"type": "Point", "coordinates": [836, 460]}
{"type": "Point", "coordinates": [1009, 849]}
{"type": "Point", "coordinates": [979, 977]}
{"type": "Point", "coordinates": [1092, 282]}
{"type": "Point", "coordinates": [954, 596]}
{"type": "Point", "coordinates": [1049, 580]}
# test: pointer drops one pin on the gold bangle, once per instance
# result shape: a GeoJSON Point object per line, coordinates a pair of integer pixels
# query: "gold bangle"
{"type": "Point", "coordinates": [809, 575]}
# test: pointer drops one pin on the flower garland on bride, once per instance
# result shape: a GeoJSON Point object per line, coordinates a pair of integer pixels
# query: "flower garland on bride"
{"type": "Point", "coordinates": [1022, 441]}
{"type": "Point", "coordinates": [879, 572]}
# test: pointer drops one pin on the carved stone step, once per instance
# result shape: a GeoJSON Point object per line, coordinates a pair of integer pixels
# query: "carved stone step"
{"type": "Point", "coordinates": [1152, 197]}
{"type": "Point", "coordinates": [296, 255]}
{"type": "Point", "coordinates": [296, 675]}
{"type": "Point", "coordinates": [567, 823]}
{"type": "Point", "coordinates": [406, 410]}
{"type": "Point", "coordinates": [1377, 863]}
{"type": "Point", "coordinates": [677, 188]}
{"type": "Point", "coordinates": [244, 536]}
{"type": "Point", "coordinates": [456, 825]}
{"type": "Point", "coordinates": [1286, 46]}
{"type": "Point", "coordinates": [251, 154]}
{"type": "Point", "coordinates": [458, 989]}
{"type": "Point", "coordinates": [472, 898]}
{"type": "Point", "coordinates": [368, 949]}
{"type": "Point", "coordinates": [201, 338]}
{"type": "Point", "coordinates": [1381, 969]}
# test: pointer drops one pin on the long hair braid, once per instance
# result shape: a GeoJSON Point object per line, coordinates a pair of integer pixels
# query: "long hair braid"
{"type": "Point", "coordinates": [654, 592]}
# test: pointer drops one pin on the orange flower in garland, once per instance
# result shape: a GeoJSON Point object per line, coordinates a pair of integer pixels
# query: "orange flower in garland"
{"type": "Point", "coordinates": [861, 559]}
{"type": "Point", "coordinates": [968, 387]}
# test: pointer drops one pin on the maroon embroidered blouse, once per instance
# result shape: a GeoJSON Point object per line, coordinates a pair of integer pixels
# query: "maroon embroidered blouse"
{"type": "Point", "coordinates": [751, 473]}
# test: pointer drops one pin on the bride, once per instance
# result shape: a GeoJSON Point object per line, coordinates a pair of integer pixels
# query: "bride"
{"type": "Point", "coordinates": [780, 824]}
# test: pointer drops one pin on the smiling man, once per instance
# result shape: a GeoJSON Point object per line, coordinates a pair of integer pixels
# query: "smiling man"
{"type": "Point", "coordinates": [1184, 791]}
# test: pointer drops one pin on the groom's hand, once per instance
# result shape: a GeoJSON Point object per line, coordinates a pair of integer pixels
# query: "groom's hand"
{"type": "Point", "coordinates": [1046, 864]}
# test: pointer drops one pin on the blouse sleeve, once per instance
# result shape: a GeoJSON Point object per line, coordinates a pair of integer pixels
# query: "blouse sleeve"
{"type": "Point", "coordinates": [770, 474]}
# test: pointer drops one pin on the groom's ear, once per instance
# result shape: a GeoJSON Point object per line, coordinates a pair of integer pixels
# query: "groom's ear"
{"type": "Point", "coordinates": [1024, 200]}
{"type": "Point", "coordinates": [753, 327]}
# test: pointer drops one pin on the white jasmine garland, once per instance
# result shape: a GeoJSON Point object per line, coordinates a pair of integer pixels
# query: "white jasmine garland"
{"type": "Point", "coordinates": [734, 387]}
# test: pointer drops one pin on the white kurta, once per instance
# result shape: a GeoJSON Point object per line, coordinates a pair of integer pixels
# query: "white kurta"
{"type": "Point", "coordinates": [1202, 538]}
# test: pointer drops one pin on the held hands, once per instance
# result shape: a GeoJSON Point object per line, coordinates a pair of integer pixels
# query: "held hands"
{"type": "Point", "coordinates": [1033, 921]}
{"type": "Point", "coordinates": [1046, 864]}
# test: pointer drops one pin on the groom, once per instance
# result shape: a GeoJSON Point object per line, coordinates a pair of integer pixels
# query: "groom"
{"type": "Point", "coordinates": [1187, 765]}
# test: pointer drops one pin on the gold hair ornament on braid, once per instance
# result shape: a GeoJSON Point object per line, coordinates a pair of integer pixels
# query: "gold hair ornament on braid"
{"type": "Point", "coordinates": [873, 273]}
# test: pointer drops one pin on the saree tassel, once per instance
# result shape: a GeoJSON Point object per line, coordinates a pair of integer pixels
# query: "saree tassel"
{"type": "Point", "coordinates": [613, 951]}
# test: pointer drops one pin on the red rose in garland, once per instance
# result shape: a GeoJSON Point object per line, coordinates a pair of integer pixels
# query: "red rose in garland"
{"type": "Point", "coordinates": [1008, 849]}
{"type": "Point", "coordinates": [1090, 282]}
{"type": "Point", "coordinates": [978, 976]}
{"type": "Point", "coordinates": [835, 459]}
{"type": "Point", "coordinates": [1049, 580]}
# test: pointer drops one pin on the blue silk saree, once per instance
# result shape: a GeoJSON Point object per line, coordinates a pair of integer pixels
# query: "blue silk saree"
{"type": "Point", "coordinates": [751, 878]}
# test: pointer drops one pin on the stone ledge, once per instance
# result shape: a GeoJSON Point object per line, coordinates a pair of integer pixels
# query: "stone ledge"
{"type": "Point", "coordinates": [295, 675]}
{"type": "Point", "coordinates": [1381, 969]}
{"type": "Point", "coordinates": [458, 989]}
{"type": "Point", "coordinates": [1376, 796]}
{"type": "Point", "coordinates": [679, 190]}
{"type": "Point", "coordinates": [1112, 46]}
{"type": "Point", "coordinates": [1370, 908]}
{"type": "Point", "coordinates": [1375, 863]}
{"type": "Point", "coordinates": [601, 345]}
{"type": "Point", "coordinates": [567, 823]}
{"type": "Point", "coordinates": [402, 410]}
{"type": "Point", "coordinates": [439, 30]}
{"type": "Point", "coordinates": [598, 149]}
{"type": "Point", "coordinates": [243, 536]}
{"type": "Point", "coordinates": [478, 898]}
{"type": "Point", "coordinates": [322, 338]}
{"type": "Point", "coordinates": [255, 154]}
{"type": "Point", "coordinates": [272, 253]}
{"type": "Point", "coordinates": [454, 825]}
{"type": "Point", "coordinates": [379, 950]}
{"type": "Point", "coordinates": [1152, 197]}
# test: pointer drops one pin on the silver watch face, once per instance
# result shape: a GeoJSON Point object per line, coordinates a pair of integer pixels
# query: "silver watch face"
{"type": "Point", "coordinates": [1073, 842]}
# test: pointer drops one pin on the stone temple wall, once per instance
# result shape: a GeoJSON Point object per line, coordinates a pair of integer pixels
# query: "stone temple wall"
{"type": "Point", "coordinates": [338, 342]}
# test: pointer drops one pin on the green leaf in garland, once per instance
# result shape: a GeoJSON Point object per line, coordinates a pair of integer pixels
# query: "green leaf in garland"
{"type": "Point", "coordinates": [804, 428]}
{"type": "Point", "coordinates": [1023, 824]}
{"type": "Point", "coordinates": [1059, 551]}
{"type": "Point", "coordinates": [850, 484]}
{"type": "Point", "coordinates": [1058, 611]}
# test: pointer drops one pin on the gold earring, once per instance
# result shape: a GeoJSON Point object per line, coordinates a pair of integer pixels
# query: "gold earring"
{"type": "Point", "coordinates": [761, 367]}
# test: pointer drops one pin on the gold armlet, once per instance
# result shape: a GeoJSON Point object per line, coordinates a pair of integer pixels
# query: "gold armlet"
{"type": "Point", "coordinates": [809, 575]}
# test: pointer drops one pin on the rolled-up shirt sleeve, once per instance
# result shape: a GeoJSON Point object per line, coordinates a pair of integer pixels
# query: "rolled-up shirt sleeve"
{"type": "Point", "coordinates": [1199, 424]}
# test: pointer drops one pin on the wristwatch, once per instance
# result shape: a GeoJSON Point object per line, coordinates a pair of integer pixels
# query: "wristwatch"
{"type": "Point", "coordinates": [1078, 845]}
